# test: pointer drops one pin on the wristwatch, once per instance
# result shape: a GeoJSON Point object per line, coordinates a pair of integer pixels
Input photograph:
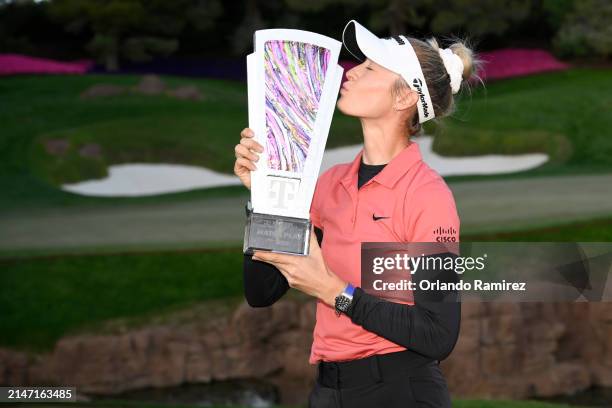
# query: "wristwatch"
{"type": "Point", "coordinates": [344, 299]}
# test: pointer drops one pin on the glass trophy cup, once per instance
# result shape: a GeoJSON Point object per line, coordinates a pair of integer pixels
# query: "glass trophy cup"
{"type": "Point", "coordinates": [293, 82]}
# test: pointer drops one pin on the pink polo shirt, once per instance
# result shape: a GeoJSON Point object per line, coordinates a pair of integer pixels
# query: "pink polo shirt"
{"type": "Point", "coordinates": [420, 207]}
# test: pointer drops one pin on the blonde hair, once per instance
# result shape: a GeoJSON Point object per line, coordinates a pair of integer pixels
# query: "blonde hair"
{"type": "Point", "coordinates": [437, 78]}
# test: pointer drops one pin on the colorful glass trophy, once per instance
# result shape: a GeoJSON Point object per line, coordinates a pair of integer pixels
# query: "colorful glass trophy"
{"type": "Point", "coordinates": [293, 83]}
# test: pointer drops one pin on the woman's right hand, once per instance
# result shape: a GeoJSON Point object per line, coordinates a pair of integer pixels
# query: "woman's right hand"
{"type": "Point", "coordinates": [246, 156]}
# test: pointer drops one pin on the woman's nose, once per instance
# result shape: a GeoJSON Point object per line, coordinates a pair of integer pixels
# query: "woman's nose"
{"type": "Point", "coordinates": [350, 74]}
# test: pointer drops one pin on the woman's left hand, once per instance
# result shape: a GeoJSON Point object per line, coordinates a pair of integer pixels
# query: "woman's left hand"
{"type": "Point", "coordinates": [308, 274]}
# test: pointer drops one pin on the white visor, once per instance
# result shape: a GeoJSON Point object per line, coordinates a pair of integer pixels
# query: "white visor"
{"type": "Point", "coordinates": [394, 53]}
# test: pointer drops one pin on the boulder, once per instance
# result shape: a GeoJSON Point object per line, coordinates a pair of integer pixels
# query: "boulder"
{"type": "Point", "coordinates": [519, 351]}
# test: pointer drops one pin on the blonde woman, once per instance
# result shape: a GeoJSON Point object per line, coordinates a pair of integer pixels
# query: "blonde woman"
{"type": "Point", "coordinates": [371, 352]}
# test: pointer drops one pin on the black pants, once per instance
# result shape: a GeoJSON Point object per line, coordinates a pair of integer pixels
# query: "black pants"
{"type": "Point", "coordinates": [403, 379]}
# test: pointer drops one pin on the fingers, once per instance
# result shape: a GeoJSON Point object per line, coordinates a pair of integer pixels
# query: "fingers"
{"type": "Point", "coordinates": [246, 138]}
{"type": "Point", "coordinates": [247, 132]}
{"type": "Point", "coordinates": [247, 150]}
{"type": "Point", "coordinates": [245, 163]}
{"type": "Point", "coordinates": [251, 144]}
{"type": "Point", "coordinates": [270, 257]}
{"type": "Point", "coordinates": [242, 151]}
{"type": "Point", "coordinates": [264, 256]}
{"type": "Point", "coordinates": [246, 156]}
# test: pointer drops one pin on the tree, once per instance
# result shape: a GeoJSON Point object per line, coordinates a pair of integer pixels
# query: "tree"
{"type": "Point", "coordinates": [135, 29]}
{"type": "Point", "coordinates": [242, 39]}
{"type": "Point", "coordinates": [396, 16]}
{"type": "Point", "coordinates": [479, 17]}
{"type": "Point", "coordinates": [586, 31]}
{"type": "Point", "coordinates": [387, 16]}
{"type": "Point", "coordinates": [554, 12]}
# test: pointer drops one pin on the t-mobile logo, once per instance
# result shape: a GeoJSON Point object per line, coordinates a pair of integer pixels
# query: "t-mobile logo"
{"type": "Point", "coordinates": [282, 192]}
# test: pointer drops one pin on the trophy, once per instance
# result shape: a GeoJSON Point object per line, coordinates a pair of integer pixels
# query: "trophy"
{"type": "Point", "coordinates": [293, 81]}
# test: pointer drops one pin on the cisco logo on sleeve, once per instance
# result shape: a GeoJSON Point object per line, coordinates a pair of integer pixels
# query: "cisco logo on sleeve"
{"type": "Point", "coordinates": [445, 234]}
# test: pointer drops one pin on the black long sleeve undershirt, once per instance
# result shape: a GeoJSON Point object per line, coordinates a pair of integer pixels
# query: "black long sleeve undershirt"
{"type": "Point", "coordinates": [429, 327]}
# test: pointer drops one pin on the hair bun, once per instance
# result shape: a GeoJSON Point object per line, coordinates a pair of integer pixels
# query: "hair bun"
{"type": "Point", "coordinates": [467, 58]}
{"type": "Point", "coordinates": [459, 60]}
{"type": "Point", "coordinates": [454, 68]}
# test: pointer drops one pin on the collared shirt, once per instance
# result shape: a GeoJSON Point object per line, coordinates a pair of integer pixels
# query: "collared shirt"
{"type": "Point", "coordinates": [367, 171]}
{"type": "Point", "coordinates": [406, 202]}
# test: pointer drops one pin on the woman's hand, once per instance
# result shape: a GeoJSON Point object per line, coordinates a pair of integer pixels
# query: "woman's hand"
{"type": "Point", "coordinates": [246, 156]}
{"type": "Point", "coordinates": [308, 274]}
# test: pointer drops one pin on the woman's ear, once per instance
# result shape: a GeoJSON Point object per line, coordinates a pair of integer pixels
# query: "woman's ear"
{"type": "Point", "coordinates": [406, 99]}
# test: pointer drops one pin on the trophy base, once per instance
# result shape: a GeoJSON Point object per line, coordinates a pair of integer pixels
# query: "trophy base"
{"type": "Point", "coordinates": [276, 233]}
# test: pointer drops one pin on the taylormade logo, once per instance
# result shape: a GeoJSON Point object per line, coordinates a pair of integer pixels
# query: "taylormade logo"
{"type": "Point", "coordinates": [418, 84]}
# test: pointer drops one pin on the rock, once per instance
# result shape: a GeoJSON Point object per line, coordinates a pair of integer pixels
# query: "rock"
{"type": "Point", "coordinates": [102, 90]}
{"type": "Point", "coordinates": [91, 150]}
{"type": "Point", "coordinates": [565, 379]}
{"type": "Point", "coordinates": [56, 147]}
{"type": "Point", "coordinates": [308, 313]}
{"type": "Point", "coordinates": [498, 359]}
{"type": "Point", "coordinates": [504, 350]}
{"type": "Point", "coordinates": [499, 328]}
{"type": "Point", "coordinates": [515, 351]}
{"type": "Point", "coordinates": [187, 92]}
{"type": "Point", "coordinates": [255, 324]}
{"type": "Point", "coordinates": [602, 375]}
{"type": "Point", "coordinates": [473, 308]}
{"type": "Point", "coordinates": [150, 85]}
{"type": "Point", "coordinates": [463, 369]}
{"type": "Point", "coordinates": [14, 367]}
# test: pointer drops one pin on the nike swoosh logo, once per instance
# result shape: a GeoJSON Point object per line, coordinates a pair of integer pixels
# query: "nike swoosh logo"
{"type": "Point", "coordinates": [375, 218]}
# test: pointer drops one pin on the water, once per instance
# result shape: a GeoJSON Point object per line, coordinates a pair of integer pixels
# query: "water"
{"type": "Point", "coordinates": [258, 394]}
{"type": "Point", "coordinates": [247, 393]}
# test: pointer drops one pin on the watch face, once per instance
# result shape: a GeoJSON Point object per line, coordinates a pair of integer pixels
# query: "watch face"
{"type": "Point", "coordinates": [342, 303]}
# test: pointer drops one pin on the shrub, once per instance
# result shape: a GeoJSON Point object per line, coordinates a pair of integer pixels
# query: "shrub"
{"type": "Point", "coordinates": [586, 31]}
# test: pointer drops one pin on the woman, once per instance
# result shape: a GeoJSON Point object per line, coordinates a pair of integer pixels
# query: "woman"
{"type": "Point", "coordinates": [372, 352]}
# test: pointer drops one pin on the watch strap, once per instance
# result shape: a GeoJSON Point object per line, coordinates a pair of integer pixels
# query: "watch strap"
{"type": "Point", "coordinates": [343, 298]}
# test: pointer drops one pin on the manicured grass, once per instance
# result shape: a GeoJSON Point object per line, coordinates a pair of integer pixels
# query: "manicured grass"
{"type": "Point", "coordinates": [599, 230]}
{"type": "Point", "coordinates": [560, 113]}
{"type": "Point", "coordinates": [128, 128]}
{"type": "Point", "coordinates": [43, 299]}
{"type": "Point", "coordinates": [571, 103]}
{"type": "Point", "coordinates": [459, 140]}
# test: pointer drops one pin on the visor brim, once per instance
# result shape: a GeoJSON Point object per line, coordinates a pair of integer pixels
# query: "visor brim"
{"type": "Point", "coordinates": [349, 39]}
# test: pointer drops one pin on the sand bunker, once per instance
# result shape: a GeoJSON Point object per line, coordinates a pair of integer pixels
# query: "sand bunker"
{"type": "Point", "coordinates": [139, 179]}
